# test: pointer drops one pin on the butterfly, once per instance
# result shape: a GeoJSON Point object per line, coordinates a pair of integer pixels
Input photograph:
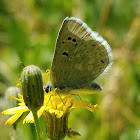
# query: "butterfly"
{"type": "Point", "coordinates": [81, 55]}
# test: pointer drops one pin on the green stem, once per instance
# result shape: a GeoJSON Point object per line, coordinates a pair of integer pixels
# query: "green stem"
{"type": "Point", "coordinates": [37, 125]}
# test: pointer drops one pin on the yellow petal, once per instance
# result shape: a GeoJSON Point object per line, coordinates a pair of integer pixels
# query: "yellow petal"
{"type": "Point", "coordinates": [29, 118]}
{"type": "Point", "coordinates": [40, 111]}
{"type": "Point", "coordinates": [68, 98]}
{"type": "Point", "coordinates": [15, 110]}
{"type": "Point", "coordinates": [21, 104]}
{"type": "Point", "coordinates": [18, 85]}
{"type": "Point", "coordinates": [84, 104]}
{"type": "Point", "coordinates": [12, 119]}
{"type": "Point", "coordinates": [46, 76]}
{"type": "Point", "coordinates": [59, 114]}
{"type": "Point", "coordinates": [20, 98]}
{"type": "Point", "coordinates": [52, 111]}
{"type": "Point", "coordinates": [92, 108]}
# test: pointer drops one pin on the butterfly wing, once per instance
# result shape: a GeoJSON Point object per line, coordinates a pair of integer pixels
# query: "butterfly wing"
{"type": "Point", "coordinates": [81, 55]}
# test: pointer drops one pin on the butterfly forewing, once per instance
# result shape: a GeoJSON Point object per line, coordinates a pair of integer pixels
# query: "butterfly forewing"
{"type": "Point", "coordinates": [81, 55]}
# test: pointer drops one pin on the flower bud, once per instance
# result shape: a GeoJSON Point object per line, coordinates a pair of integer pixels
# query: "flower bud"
{"type": "Point", "coordinates": [12, 91]}
{"type": "Point", "coordinates": [56, 128]}
{"type": "Point", "coordinates": [32, 87]}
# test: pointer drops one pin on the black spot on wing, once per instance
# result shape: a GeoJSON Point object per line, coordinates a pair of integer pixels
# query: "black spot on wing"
{"type": "Point", "coordinates": [102, 61]}
{"type": "Point", "coordinates": [69, 38]}
{"type": "Point", "coordinates": [75, 44]}
{"type": "Point", "coordinates": [74, 40]}
{"type": "Point", "coordinates": [65, 53]}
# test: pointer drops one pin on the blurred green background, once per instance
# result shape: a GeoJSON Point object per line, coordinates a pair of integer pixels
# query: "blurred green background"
{"type": "Point", "coordinates": [28, 31]}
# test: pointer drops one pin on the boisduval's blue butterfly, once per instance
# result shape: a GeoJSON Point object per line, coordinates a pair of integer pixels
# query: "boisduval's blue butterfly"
{"type": "Point", "coordinates": [81, 55]}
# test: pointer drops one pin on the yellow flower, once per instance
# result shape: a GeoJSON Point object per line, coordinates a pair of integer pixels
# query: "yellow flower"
{"type": "Point", "coordinates": [52, 104]}
{"type": "Point", "coordinates": [56, 108]}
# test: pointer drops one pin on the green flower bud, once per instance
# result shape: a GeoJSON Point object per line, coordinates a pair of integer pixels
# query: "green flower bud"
{"type": "Point", "coordinates": [12, 91]}
{"type": "Point", "coordinates": [32, 87]}
{"type": "Point", "coordinates": [56, 128]}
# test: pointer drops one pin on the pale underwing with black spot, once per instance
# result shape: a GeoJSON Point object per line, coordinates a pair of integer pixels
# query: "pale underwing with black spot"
{"type": "Point", "coordinates": [81, 55]}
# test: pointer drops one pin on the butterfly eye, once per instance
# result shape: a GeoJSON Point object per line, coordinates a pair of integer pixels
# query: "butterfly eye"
{"type": "Point", "coordinates": [47, 89]}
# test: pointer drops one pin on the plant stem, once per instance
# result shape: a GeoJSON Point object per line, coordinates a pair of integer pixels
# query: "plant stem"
{"type": "Point", "coordinates": [37, 127]}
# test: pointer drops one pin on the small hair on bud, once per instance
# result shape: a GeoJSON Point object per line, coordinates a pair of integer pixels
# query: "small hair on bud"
{"type": "Point", "coordinates": [22, 64]}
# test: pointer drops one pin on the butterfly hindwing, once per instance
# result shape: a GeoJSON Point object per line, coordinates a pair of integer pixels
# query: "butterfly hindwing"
{"type": "Point", "coordinates": [81, 55]}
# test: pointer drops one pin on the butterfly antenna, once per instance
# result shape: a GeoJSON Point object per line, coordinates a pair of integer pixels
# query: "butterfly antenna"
{"type": "Point", "coordinates": [61, 98]}
{"type": "Point", "coordinates": [22, 65]}
{"type": "Point", "coordinates": [49, 99]}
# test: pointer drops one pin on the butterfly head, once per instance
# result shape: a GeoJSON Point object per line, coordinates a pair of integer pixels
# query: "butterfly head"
{"type": "Point", "coordinates": [48, 87]}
